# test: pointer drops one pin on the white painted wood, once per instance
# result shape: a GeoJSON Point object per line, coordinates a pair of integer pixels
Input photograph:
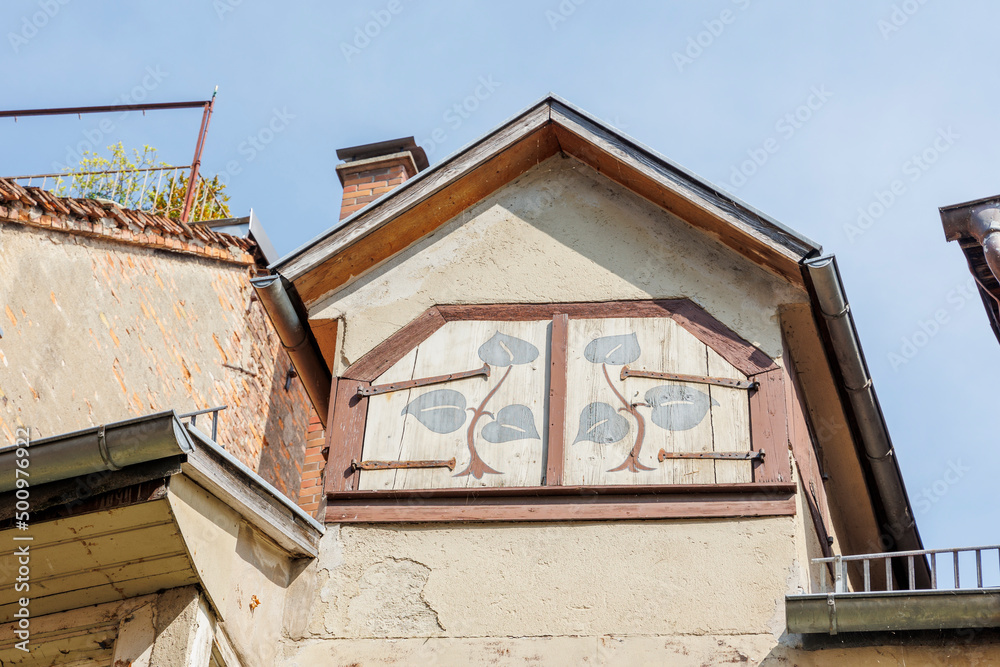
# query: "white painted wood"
{"type": "Point", "coordinates": [664, 347]}
{"type": "Point", "coordinates": [136, 633]}
{"type": "Point", "coordinates": [730, 422]}
{"type": "Point", "coordinates": [200, 651]}
{"type": "Point", "coordinates": [391, 435]}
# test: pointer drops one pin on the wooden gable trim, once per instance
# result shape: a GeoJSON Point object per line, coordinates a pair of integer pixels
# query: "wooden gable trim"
{"type": "Point", "coordinates": [747, 358]}
{"type": "Point", "coordinates": [745, 231]}
{"type": "Point", "coordinates": [437, 195]}
{"type": "Point", "coordinates": [744, 502]}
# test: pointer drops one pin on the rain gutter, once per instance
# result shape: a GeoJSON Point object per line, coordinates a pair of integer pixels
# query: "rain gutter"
{"type": "Point", "coordinates": [878, 458]}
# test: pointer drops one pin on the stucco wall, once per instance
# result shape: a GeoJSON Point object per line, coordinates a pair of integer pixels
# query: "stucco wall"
{"type": "Point", "coordinates": [560, 232]}
{"type": "Point", "coordinates": [96, 331]}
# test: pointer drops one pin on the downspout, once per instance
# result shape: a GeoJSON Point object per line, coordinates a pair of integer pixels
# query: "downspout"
{"type": "Point", "coordinates": [104, 448]}
{"type": "Point", "coordinates": [297, 340]}
{"type": "Point", "coordinates": [856, 382]}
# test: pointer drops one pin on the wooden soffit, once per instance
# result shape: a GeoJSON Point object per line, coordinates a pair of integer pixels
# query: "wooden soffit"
{"type": "Point", "coordinates": [435, 196]}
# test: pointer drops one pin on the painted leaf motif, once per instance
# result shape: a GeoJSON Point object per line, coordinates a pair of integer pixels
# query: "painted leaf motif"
{"type": "Point", "coordinates": [514, 422]}
{"type": "Point", "coordinates": [613, 350]}
{"type": "Point", "coordinates": [677, 407]}
{"type": "Point", "coordinates": [601, 424]}
{"type": "Point", "coordinates": [503, 350]}
{"type": "Point", "coordinates": [441, 410]}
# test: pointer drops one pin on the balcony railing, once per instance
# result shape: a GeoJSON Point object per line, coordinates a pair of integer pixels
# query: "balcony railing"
{"type": "Point", "coordinates": [192, 418]}
{"type": "Point", "coordinates": [156, 190]}
{"type": "Point", "coordinates": [950, 577]}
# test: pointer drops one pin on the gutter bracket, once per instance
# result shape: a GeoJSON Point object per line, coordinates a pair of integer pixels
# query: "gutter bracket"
{"type": "Point", "coordinates": [831, 603]}
{"type": "Point", "coordinates": [102, 447]}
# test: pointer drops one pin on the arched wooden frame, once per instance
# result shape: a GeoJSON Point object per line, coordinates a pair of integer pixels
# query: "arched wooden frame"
{"type": "Point", "coordinates": [770, 493]}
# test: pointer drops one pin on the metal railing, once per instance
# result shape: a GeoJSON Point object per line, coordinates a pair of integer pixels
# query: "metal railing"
{"type": "Point", "coordinates": [193, 416]}
{"type": "Point", "coordinates": [161, 190]}
{"type": "Point", "coordinates": [838, 565]}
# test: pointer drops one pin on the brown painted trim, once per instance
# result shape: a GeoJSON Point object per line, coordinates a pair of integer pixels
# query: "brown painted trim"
{"type": "Point", "coordinates": [746, 357]}
{"type": "Point", "coordinates": [554, 451]}
{"type": "Point", "coordinates": [369, 367]}
{"type": "Point", "coordinates": [750, 491]}
{"type": "Point", "coordinates": [345, 435]}
{"type": "Point", "coordinates": [595, 508]}
{"type": "Point", "coordinates": [769, 429]}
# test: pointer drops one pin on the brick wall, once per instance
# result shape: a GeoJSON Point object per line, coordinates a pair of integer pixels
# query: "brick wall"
{"type": "Point", "coordinates": [103, 321]}
{"type": "Point", "coordinates": [367, 180]}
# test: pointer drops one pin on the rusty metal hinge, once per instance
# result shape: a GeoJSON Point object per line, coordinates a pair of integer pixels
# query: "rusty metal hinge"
{"type": "Point", "coordinates": [732, 456]}
{"type": "Point", "coordinates": [391, 465]}
{"type": "Point", "coordinates": [680, 377]}
{"type": "Point", "coordinates": [377, 389]}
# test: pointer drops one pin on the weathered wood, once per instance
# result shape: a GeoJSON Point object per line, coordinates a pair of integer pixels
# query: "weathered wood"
{"type": "Point", "coordinates": [345, 436]}
{"type": "Point", "coordinates": [556, 436]}
{"type": "Point", "coordinates": [662, 345]}
{"type": "Point", "coordinates": [418, 209]}
{"type": "Point", "coordinates": [387, 353]}
{"type": "Point", "coordinates": [325, 333]}
{"type": "Point", "coordinates": [749, 490]}
{"type": "Point", "coordinates": [730, 422]}
{"type": "Point", "coordinates": [806, 459]}
{"type": "Point", "coordinates": [768, 430]}
{"type": "Point", "coordinates": [395, 435]}
{"type": "Point", "coordinates": [266, 511]}
{"type": "Point", "coordinates": [557, 508]}
{"type": "Point", "coordinates": [749, 359]}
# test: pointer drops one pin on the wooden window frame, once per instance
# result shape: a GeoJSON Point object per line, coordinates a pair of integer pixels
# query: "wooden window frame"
{"type": "Point", "coordinates": [771, 493]}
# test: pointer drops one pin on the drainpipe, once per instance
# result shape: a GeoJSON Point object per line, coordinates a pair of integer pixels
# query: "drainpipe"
{"type": "Point", "coordinates": [856, 382]}
{"type": "Point", "coordinates": [106, 447]}
{"type": "Point", "coordinates": [296, 337]}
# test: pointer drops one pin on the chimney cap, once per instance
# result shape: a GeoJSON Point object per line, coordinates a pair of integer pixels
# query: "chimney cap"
{"type": "Point", "coordinates": [381, 148]}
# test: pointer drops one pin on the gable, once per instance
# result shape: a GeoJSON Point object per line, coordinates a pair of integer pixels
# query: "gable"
{"type": "Point", "coordinates": [559, 233]}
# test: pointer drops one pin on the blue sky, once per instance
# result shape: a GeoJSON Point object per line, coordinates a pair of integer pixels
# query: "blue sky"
{"type": "Point", "coordinates": [888, 107]}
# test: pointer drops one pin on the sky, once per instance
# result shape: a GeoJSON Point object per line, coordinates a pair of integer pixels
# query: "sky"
{"type": "Point", "coordinates": [850, 122]}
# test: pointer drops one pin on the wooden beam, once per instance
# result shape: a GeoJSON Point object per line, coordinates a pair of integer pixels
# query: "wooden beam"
{"type": "Point", "coordinates": [369, 367]}
{"type": "Point", "coordinates": [557, 508]}
{"type": "Point", "coordinates": [325, 333]}
{"type": "Point", "coordinates": [768, 428]}
{"type": "Point", "coordinates": [746, 489]}
{"type": "Point", "coordinates": [345, 436]}
{"type": "Point", "coordinates": [556, 440]}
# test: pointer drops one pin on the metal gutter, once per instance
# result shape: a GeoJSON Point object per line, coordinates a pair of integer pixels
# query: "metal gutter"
{"type": "Point", "coordinates": [106, 447]}
{"type": "Point", "coordinates": [833, 315]}
{"type": "Point", "coordinates": [892, 611]}
{"type": "Point", "coordinates": [297, 339]}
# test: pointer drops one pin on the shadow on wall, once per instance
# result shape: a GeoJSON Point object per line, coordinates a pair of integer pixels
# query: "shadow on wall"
{"type": "Point", "coordinates": [283, 446]}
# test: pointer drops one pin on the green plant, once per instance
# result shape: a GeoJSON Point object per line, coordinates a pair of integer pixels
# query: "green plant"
{"type": "Point", "coordinates": [127, 180]}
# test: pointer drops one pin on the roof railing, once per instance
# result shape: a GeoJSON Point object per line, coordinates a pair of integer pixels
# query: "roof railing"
{"type": "Point", "coordinates": [193, 416]}
{"type": "Point", "coordinates": [985, 554]}
{"type": "Point", "coordinates": [159, 190]}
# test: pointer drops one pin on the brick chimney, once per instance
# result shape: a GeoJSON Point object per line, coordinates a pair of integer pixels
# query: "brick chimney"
{"type": "Point", "coordinates": [369, 171]}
